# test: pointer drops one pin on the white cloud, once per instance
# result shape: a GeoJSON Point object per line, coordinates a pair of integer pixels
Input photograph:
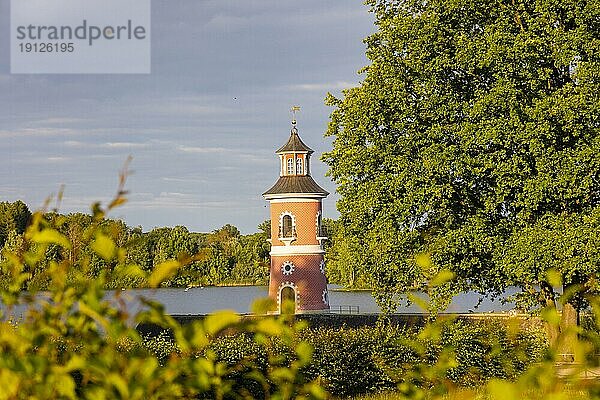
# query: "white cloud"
{"type": "Point", "coordinates": [59, 121]}
{"type": "Point", "coordinates": [37, 132]}
{"type": "Point", "coordinates": [126, 145]}
{"type": "Point", "coordinates": [58, 159]}
{"type": "Point", "coordinates": [75, 143]}
{"type": "Point", "coordinates": [177, 200]}
{"type": "Point", "coordinates": [322, 87]}
{"type": "Point", "coordinates": [185, 180]}
{"type": "Point", "coordinates": [204, 150]}
{"type": "Point", "coordinates": [188, 106]}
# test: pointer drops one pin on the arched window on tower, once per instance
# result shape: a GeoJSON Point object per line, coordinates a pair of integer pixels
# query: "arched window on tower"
{"type": "Point", "coordinates": [299, 166]}
{"type": "Point", "coordinates": [290, 166]}
{"type": "Point", "coordinates": [287, 228]}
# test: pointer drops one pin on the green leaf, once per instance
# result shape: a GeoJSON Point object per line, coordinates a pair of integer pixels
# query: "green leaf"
{"type": "Point", "coordinates": [51, 236]}
{"type": "Point", "coordinates": [104, 246]}
{"type": "Point", "coordinates": [162, 272]}
{"type": "Point", "coordinates": [502, 390]}
{"type": "Point", "coordinates": [423, 261]}
{"type": "Point", "coordinates": [129, 271]}
{"type": "Point", "coordinates": [442, 277]}
{"type": "Point", "coordinates": [216, 322]}
{"type": "Point", "coordinates": [551, 315]}
{"type": "Point", "coordinates": [119, 383]}
{"type": "Point", "coordinates": [304, 352]}
{"type": "Point", "coordinates": [269, 326]}
{"type": "Point", "coordinates": [554, 278]}
{"type": "Point", "coordinates": [65, 386]}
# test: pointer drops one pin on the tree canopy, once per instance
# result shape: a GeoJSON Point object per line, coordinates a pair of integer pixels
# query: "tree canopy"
{"type": "Point", "coordinates": [474, 136]}
{"type": "Point", "coordinates": [221, 257]}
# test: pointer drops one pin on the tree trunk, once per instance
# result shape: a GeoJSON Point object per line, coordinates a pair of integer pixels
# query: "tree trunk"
{"type": "Point", "coordinates": [568, 324]}
{"type": "Point", "coordinates": [552, 330]}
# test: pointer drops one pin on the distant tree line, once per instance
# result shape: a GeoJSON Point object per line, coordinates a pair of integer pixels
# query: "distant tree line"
{"type": "Point", "coordinates": [221, 257]}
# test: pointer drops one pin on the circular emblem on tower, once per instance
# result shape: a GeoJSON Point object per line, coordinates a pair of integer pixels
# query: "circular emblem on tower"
{"type": "Point", "coordinates": [287, 268]}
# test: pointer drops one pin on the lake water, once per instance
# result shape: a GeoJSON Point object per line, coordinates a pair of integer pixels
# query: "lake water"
{"type": "Point", "coordinates": [206, 300]}
{"type": "Point", "coordinates": [239, 298]}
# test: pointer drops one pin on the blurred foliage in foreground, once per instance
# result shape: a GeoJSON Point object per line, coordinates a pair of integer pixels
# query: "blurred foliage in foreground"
{"type": "Point", "coordinates": [223, 256]}
{"type": "Point", "coordinates": [73, 343]}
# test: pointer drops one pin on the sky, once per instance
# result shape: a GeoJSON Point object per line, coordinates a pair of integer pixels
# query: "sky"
{"type": "Point", "coordinates": [201, 128]}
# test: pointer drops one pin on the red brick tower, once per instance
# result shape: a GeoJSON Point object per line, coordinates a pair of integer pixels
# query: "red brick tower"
{"type": "Point", "coordinates": [297, 256]}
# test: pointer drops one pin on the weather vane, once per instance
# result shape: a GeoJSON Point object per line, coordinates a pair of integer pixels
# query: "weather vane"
{"type": "Point", "coordinates": [294, 110]}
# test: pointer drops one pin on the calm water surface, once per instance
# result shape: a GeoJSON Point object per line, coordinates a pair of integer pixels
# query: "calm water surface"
{"type": "Point", "coordinates": [206, 300]}
{"type": "Point", "coordinates": [239, 299]}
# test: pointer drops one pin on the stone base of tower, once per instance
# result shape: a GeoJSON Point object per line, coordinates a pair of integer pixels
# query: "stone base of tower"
{"type": "Point", "coordinates": [302, 275]}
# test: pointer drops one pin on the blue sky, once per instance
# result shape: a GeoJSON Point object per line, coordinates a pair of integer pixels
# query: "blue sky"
{"type": "Point", "coordinates": [202, 128]}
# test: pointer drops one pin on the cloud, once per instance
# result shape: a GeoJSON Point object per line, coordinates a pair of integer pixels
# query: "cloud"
{"type": "Point", "coordinates": [75, 143]}
{"type": "Point", "coordinates": [260, 156]}
{"type": "Point", "coordinates": [227, 23]}
{"type": "Point", "coordinates": [204, 150]}
{"type": "Point", "coordinates": [213, 110]}
{"type": "Point", "coordinates": [108, 145]}
{"type": "Point", "coordinates": [58, 159]}
{"type": "Point", "coordinates": [321, 87]}
{"type": "Point", "coordinates": [178, 200]}
{"type": "Point", "coordinates": [126, 145]}
{"type": "Point", "coordinates": [59, 121]}
{"type": "Point", "coordinates": [40, 132]}
{"type": "Point", "coordinates": [185, 180]}
{"type": "Point", "coordinates": [180, 105]}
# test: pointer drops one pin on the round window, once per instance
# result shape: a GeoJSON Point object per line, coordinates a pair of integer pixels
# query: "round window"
{"type": "Point", "coordinates": [287, 268]}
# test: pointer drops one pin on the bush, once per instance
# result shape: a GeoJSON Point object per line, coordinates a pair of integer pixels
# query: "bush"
{"type": "Point", "coordinates": [349, 362]}
{"type": "Point", "coordinates": [488, 349]}
{"type": "Point", "coordinates": [356, 361]}
{"type": "Point", "coordinates": [72, 343]}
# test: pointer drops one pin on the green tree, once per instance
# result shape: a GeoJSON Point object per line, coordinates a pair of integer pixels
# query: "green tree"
{"type": "Point", "coordinates": [138, 249]}
{"type": "Point", "coordinates": [252, 259]}
{"type": "Point", "coordinates": [265, 227]}
{"type": "Point", "coordinates": [13, 216]}
{"type": "Point", "coordinates": [474, 137]}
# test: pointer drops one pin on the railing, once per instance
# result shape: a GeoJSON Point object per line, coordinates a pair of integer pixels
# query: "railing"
{"type": "Point", "coordinates": [345, 309]}
{"type": "Point", "coordinates": [287, 233]}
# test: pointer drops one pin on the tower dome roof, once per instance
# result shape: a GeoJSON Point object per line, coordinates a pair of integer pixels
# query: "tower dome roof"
{"type": "Point", "coordinates": [294, 143]}
{"type": "Point", "coordinates": [296, 184]}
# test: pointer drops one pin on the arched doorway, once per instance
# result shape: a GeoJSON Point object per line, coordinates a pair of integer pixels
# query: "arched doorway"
{"type": "Point", "coordinates": [287, 300]}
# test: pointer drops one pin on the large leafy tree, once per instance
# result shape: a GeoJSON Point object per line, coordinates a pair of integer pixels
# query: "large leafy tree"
{"type": "Point", "coordinates": [474, 136]}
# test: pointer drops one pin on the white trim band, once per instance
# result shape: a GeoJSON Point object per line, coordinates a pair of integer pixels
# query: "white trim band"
{"type": "Point", "coordinates": [294, 195]}
{"type": "Point", "coordinates": [308, 249]}
{"type": "Point", "coordinates": [292, 200]}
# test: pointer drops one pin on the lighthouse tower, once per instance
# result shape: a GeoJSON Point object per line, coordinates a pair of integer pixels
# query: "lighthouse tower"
{"type": "Point", "coordinates": [297, 255]}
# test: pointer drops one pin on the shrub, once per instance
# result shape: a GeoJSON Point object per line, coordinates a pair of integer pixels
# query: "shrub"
{"type": "Point", "coordinates": [71, 343]}
{"type": "Point", "coordinates": [348, 362]}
